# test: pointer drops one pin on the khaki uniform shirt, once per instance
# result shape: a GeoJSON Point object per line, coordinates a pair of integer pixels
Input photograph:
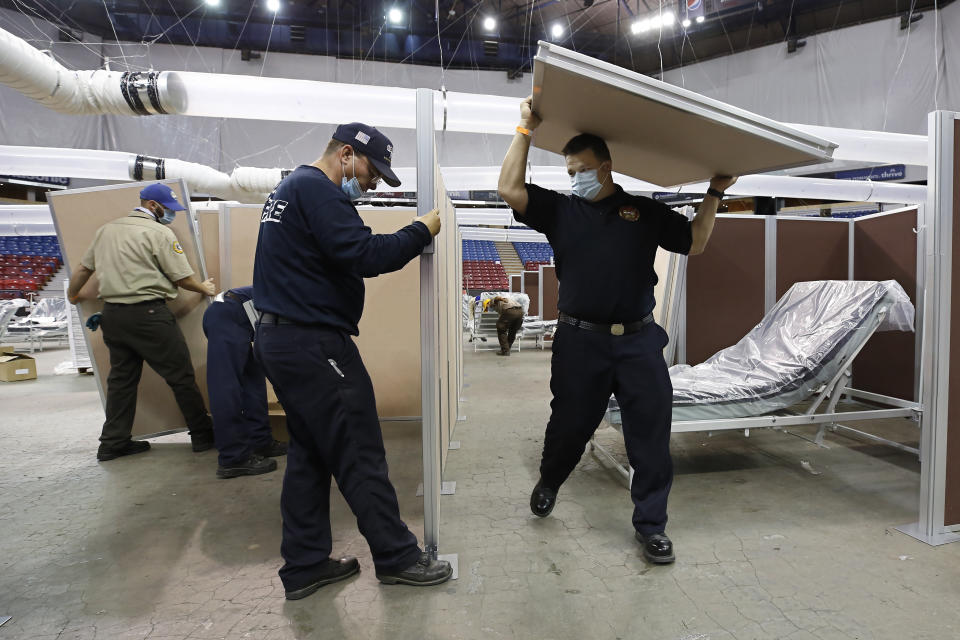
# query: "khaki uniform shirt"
{"type": "Point", "coordinates": [136, 259]}
{"type": "Point", "coordinates": [501, 306]}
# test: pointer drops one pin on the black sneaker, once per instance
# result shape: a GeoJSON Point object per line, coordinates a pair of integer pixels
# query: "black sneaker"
{"type": "Point", "coordinates": [332, 571]}
{"type": "Point", "coordinates": [657, 548]}
{"type": "Point", "coordinates": [252, 466]}
{"type": "Point", "coordinates": [273, 450]}
{"type": "Point", "coordinates": [424, 573]}
{"type": "Point", "coordinates": [202, 440]}
{"type": "Point", "coordinates": [128, 448]}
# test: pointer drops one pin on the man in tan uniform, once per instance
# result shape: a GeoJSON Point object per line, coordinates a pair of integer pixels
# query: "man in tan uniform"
{"type": "Point", "coordinates": [139, 265]}
{"type": "Point", "coordinates": [508, 323]}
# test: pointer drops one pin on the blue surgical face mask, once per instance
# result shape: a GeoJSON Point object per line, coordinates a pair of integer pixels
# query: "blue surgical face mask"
{"type": "Point", "coordinates": [585, 184]}
{"type": "Point", "coordinates": [168, 216]}
{"type": "Point", "coordinates": [351, 187]}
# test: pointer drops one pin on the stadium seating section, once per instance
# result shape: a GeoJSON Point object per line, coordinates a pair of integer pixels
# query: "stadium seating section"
{"type": "Point", "coordinates": [533, 254]}
{"type": "Point", "coordinates": [481, 267]}
{"type": "Point", "coordinates": [27, 263]}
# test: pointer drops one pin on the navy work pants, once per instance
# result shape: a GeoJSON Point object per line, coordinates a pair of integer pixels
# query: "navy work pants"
{"type": "Point", "coordinates": [236, 384]}
{"type": "Point", "coordinates": [586, 367]}
{"type": "Point", "coordinates": [334, 431]}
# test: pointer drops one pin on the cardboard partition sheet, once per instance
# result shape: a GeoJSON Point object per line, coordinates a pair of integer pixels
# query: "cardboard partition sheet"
{"type": "Point", "coordinates": [884, 248]}
{"type": "Point", "coordinates": [389, 339]}
{"type": "Point", "coordinates": [725, 287]}
{"type": "Point", "coordinates": [207, 221]}
{"type": "Point", "coordinates": [549, 293]}
{"type": "Point", "coordinates": [658, 132]}
{"type": "Point", "coordinates": [530, 282]}
{"type": "Point", "coordinates": [811, 249]}
{"type": "Point", "coordinates": [77, 214]}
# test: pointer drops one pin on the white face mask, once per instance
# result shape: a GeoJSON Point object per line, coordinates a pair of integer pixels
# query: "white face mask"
{"type": "Point", "coordinates": [585, 184]}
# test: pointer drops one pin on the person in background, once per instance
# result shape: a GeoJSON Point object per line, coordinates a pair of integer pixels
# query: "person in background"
{"type": "Point", "coordinates": [140, 265]}
{"type": "Point", "coordinates": [508, 323]}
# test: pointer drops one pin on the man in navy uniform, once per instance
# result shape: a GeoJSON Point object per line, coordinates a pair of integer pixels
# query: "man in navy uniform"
{"type": "Point", "coordinates": [313, 253]}
{"type": "Point", "coordinates": [238, 389]}
{"type": "Point", "coordinates": [605, 242]}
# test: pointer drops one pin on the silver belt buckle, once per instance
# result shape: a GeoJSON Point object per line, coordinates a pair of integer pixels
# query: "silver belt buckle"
{"type": "Point", "coordinates": [616, 329]}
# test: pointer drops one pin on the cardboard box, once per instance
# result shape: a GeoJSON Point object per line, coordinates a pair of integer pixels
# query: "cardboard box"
{"type": "Point", "coordinates": [16, 366]}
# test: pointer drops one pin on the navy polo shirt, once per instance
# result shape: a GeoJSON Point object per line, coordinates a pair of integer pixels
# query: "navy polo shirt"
{"type": "Point", "coordinates": [605, 250]}
{"type": "Point", "coordinates": [314, 251]}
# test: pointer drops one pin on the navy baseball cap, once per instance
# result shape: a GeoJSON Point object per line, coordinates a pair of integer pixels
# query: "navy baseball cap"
{"type": "Point", "coordinates": [371, 143]}
{"type": "Point", "coordinates": [163, 194]}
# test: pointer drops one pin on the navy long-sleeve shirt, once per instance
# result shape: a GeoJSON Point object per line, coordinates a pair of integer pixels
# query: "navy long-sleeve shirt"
{"type": "Point", "coordinates": [314, 251]}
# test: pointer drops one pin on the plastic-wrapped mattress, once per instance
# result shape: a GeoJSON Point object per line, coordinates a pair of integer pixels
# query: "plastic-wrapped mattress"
{"type": "Point", "coordinates": [802, 343]}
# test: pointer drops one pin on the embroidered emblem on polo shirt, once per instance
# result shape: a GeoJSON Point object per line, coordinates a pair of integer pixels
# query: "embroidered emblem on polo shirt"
{"type": "Point", "coordinates": [630, 214]}
{"type": "Point", "coordinates": [177, 247]}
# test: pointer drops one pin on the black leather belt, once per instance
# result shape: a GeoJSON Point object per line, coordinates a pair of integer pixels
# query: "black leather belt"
{"type": "Point", "coordinates": [271, 318]}
{"type": "Point", "coordinates": [617, 329]}
{"type": "Point", "coordinates": [136, 304]}
{"type": "Point", "coordinates": [233, 296]}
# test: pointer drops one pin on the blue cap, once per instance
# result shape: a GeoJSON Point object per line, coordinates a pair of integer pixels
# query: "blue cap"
{"type": "Point", "coordinates": [371, 143]}
{"type": "Point", "coordinates": [163, 194]}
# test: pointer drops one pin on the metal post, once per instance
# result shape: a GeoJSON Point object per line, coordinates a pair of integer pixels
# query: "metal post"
{"type": "Point", "coordinates": [226, 259]}
{"type": "Point", "coordinates": [769, 263]}
{"type": "Point", "coordinates": [429, 331]}
{"type": "Point", "coordinates": [935, 356]}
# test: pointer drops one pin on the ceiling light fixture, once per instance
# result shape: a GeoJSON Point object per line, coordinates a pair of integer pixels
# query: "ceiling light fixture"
{"type": "Point", "coordinates": [395, 15]}
{"type": "Point", "coordinates": [489, 23]}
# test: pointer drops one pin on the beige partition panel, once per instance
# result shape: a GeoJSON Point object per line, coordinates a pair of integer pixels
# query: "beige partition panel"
{"type": "Point", "coordinates": [389, 339]}
{"type": "Point", "coordinates": [207, 219]}
{"type": "Point", "coordinates": [77, 214]}
{"type": "Point", "coordinates": [448, 296]}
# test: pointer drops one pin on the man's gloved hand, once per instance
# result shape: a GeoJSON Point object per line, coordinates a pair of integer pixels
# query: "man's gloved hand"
{"type": "Point", "coordinates": [93, 322]}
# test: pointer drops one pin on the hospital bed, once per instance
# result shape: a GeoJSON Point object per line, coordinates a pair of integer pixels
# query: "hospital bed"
{"type": "Point", "coordinates": [47, 321]}
{"type": "Point", "coordinates": [801, 353]}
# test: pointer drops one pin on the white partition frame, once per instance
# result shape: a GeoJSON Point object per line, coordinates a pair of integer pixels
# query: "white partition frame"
{"type": "Point", "coordinates": [429, 329]}
{"type": "Point", "coordinates": [935, 239]}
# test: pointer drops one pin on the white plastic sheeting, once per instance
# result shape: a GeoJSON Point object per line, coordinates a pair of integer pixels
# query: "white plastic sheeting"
{"type": "Point", "coordinates": [801, 343]}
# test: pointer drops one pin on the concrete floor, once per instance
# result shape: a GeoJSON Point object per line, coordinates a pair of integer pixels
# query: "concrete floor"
{"type": "Point", "coordinates": [154, 546]}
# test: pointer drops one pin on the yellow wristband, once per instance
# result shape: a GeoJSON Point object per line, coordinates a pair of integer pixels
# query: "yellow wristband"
{"type": "Point", "coordinates": [524, 131]}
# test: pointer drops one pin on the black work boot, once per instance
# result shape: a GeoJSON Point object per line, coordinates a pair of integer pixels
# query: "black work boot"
{"type": "Point", "coordinates": [542, 500]}
{"type": "Point", "coordinates": [424, 573]}
{"type": "Point", "coordinates": [274, 449]}
{"type": "Point", "coordinates": [332, 571]}
{"type": "Point", "coordinates": [252, 466]}
{"type": "Point", "coordinates": [657, 547]}
{"type": "Point", "coordinates": [201, 440]}
{"type": "Point", "coordinates": [128, 448]}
